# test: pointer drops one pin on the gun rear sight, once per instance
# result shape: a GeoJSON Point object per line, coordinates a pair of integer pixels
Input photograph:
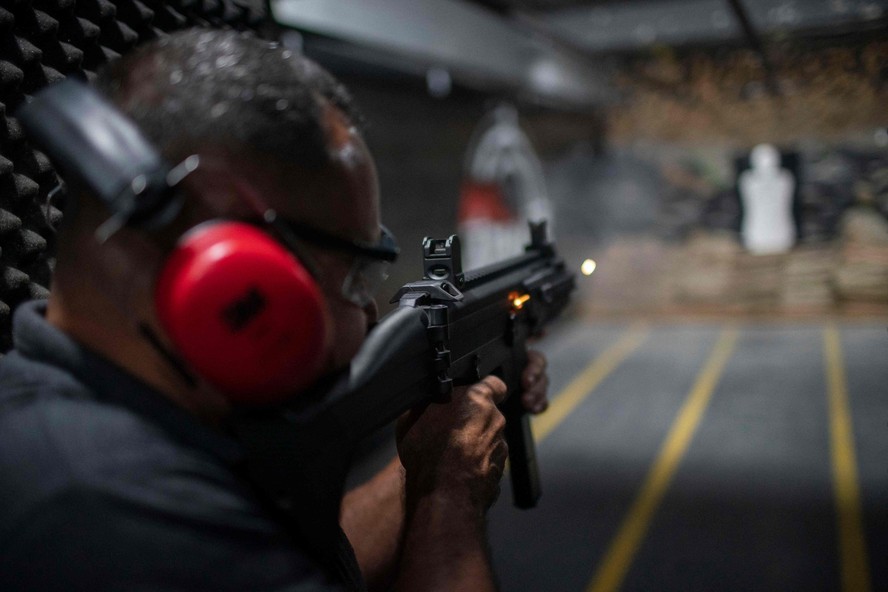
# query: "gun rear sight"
{"type": "Point", "coordinates": [442, 260]}
{"type": "Point", "coordinates": [442, 257]}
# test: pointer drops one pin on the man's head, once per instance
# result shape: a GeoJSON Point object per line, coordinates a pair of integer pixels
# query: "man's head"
{"type": "Point", "coordinates": [273, 131]}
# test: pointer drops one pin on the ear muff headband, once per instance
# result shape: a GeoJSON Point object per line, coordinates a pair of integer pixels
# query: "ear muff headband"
{"type": "Point", "coordinates": [87, 138]}
{"type": "Point", "coordinates": [240, 310]}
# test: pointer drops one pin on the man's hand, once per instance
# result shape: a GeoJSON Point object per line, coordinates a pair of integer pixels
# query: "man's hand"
{"type": "Point", "coordinates": [459, 445]}
{"type": "Point", "coordinates": [535, 383]}
{"type": "Point", "coordinates": [456, 448]}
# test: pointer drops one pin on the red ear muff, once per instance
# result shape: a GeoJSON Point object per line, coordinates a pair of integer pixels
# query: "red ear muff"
{"type": "Point", "coordinates": [243, 312]}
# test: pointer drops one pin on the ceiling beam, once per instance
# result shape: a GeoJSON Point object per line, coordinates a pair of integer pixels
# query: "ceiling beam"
{"type": "Point", "coordinates": [752, 37]}
{"type": "Point", "coordinates": [476, 47]}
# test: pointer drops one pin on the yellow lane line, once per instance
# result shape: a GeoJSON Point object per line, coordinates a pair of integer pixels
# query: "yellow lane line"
{"type": "Point", "coordinates": [587, 381]}
{"type": "Point", "coordinates": [852, 546]}
{"type": "Point", "coordinates": [619, 556]}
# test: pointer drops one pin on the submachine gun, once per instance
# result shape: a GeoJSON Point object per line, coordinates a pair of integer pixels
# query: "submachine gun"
{"type": "Point", "coordinates": [451, 328]}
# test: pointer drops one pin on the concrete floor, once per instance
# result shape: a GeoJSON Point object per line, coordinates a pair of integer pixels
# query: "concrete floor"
{"type": "Point", "coordinates": [706, 456]}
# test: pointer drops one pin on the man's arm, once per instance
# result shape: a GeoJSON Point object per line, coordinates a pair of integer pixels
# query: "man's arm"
{"type": "Point", "coordinates": [373, 515]}
{"type": "Point", "coordinates": [454, 456]}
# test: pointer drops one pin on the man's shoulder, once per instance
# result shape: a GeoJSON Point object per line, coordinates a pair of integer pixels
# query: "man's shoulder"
{"type": "Point", "coordinates": [22, 380]}
{"type": "Point", "coordinates": [42, 403]}
{"type": "Point", "coordinates": [39, 406]}
{"type": "Point", "coordinates": [58, 439]}
{"type": "Point", "coordinates": [51, 418]}
{"type": "Point", "coordinates": [56, 435]}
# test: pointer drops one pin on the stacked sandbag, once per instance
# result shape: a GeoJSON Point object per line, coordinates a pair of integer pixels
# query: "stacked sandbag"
{"type": "Point", "coordinates": [711, 274]}
{"type": "Point", "coordinates": [807, 280]}
{"type": "Point", "coordinates": [703, 273]}
{"type": "Point", "coordinates": [861, 274]}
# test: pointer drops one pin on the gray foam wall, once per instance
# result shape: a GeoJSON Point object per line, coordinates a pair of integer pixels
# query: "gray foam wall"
{"type": "Point", "coordinates": [43, 41]}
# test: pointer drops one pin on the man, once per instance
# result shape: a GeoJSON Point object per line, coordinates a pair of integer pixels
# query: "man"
{"type": "Point", "coordinates": [115, 468]}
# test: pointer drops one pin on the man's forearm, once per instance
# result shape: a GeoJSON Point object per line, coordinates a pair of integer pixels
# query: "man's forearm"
{"type": "Point", "coordinates": [373, 519]}
{"type": "Point", "coordinates": [445, 546]}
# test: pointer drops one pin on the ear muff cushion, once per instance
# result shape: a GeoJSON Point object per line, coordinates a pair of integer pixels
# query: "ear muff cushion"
{"type": "Point", "coordinates": [243, 312]}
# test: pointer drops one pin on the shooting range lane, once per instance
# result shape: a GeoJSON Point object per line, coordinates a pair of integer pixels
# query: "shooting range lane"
{"type": "Point", "coordinates": [863, 351]}
{"type": "Point", "coordinates": [594, 463]}
{"type": "Point", "coordinates": [751, 503]}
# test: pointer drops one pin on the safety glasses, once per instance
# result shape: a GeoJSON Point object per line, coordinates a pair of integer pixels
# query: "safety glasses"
{"type": "Point", "coordinates": [371, 260]}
